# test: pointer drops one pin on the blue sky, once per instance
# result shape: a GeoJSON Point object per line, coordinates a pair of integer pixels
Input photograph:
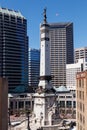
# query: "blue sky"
{"type": "Point", "coordinates": [57, 11]}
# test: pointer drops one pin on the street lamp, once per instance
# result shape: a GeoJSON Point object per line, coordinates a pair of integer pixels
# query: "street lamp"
{"type": "Point", "coordinates": [27, 114]}
{"type": "Point", "coordinates": [41, 117]}
{"type": "Point", "coordinates": [9, 112]}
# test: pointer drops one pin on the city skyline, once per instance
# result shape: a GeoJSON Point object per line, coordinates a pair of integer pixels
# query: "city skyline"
{"type": "Point", "coordinates": [57, 11]}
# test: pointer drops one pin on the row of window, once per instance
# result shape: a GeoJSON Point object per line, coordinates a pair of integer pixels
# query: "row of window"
{"type": "Point", "coordinates": [80, 106]}
{"type": "Point", "coordinates": [12, 18]}
{"type": "Point", "coordinates": [80, 95]}
{"type": "Point", "coordinates": [68, 104]}
{"type": "Point", "coordinates": [67, 96]}
{"type": "Point", "coordinates": [80, 83]}
{"type": "Point", "coordinates": [81, 118]}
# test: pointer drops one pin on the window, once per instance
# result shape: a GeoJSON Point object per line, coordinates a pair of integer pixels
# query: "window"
{"type": "Point", "coordinates": [74, 95]}
{"type": "Point", "coordinates": [80, 94]}
{"type": "Point", "coordinates": [80, 83]}
{"type": "Point", "coordinates": [69, 104]}
{"type": "Point", "coordinates": [83, 95]}
{"type": "Point", "coordinates": [74, 104]}
{"type": "Point", "coordinates": [83, 108]}
{"type": "Point", "coordinates": [83, 120]}
{"type": "Point", "coordinates": [83, 83]}
{"type": "Point", "coordinates": [62, 103]}
{"type": "Point", "coordinates": [80, 106]}
{"type": "Point", "coordinates": [61, 96]}
{"type": "Point", "coordinates": [68, 96]}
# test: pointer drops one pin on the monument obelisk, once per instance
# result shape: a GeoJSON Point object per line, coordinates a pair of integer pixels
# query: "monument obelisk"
{"type": "Point", "coordinates": [44, 103]}
{"type": "Point", "coordinates": [45, 76]}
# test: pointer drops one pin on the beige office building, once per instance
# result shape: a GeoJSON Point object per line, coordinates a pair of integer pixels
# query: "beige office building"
{"type": "Point", "coordinates": [61, 51]}
{"type": "Point", "coordinates": [81, 92]}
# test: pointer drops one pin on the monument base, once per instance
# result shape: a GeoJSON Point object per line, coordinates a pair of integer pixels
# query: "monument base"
{"type": "Point", "coordinates": [45, 109]}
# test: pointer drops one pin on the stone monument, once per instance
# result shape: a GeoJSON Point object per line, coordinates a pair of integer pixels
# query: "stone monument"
{"type": "Point", "coordinates": [45, 108]}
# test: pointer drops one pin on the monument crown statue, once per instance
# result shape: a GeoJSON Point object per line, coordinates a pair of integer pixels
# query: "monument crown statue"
{"type": "Point", "coordinates": [44, 14]}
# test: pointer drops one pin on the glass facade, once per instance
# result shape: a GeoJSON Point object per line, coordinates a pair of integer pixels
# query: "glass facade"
{"type": "Point", "coordinates": [34, 68]}
{"type": "Point", "coordinates": [14, 50]}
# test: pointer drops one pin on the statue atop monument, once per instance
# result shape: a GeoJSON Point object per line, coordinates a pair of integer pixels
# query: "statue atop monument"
{"type": "Point", "coordinates": [44, 14]}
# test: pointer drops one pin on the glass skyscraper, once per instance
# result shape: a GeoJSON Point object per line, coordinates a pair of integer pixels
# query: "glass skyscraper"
{"type": "Point", "coordinates": [34, 68]}
{"type": "Point", "coordinates": [14, 49]}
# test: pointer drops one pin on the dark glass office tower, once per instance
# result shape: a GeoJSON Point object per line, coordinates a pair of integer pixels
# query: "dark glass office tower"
{"type": "Point", "coordinates": [34, 68]}
{"type": "Point", "coordinates": [14, 49]}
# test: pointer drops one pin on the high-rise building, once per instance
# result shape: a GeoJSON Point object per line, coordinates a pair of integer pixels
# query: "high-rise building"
{"type": "Point", "coordinates": [14, 49]}
{"type": "Point", "coordinates": [80, 53]}
{"type": "Point", "coordinates": [62, 53]}
{"type": "Point", "coordinates": [71, 71]}
{"type": "Point", "coordinates": [81, 92]}
{"type": "Point", "coordinates": [34, 67]}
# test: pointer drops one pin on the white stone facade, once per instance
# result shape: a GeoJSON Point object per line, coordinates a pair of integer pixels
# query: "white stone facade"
{"type": "Point", "coordinates": [71, 71]}
{"type": "Point", "coordinates": [44, 105]}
